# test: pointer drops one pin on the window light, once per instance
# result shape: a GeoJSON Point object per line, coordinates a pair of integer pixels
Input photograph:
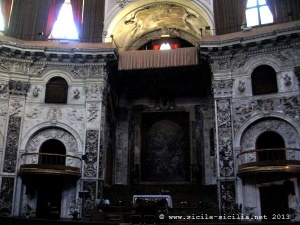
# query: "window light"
{"type": "Point", "coordinates": [258, 13]}
{"type": "Point", "coordinates": [1, 21]}
{"type": "Point", "coordinates": [165, 46]}
{"type": "Point", "coordinates": [64, 27]}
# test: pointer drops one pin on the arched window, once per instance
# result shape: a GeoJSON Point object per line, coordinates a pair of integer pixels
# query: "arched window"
{"type": "Point", "coordinates": [52, 152]}
{"type": "Point", "coordinates": [56, 90]}
{"type": "Point", "coordinates": [264, 80]}
{"type": "Point", "coordinates": [258, 13]}
{"type": "Point", "coordinates": [270, 141]}
{"type": "Point", "coordinates": [65, 27]}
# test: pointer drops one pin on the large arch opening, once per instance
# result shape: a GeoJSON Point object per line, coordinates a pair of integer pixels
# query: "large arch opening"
{"type": "Point", "coordinates": [50, 188]}
{"type": "Point", "coordinates": [270, 140]}
{"type": "Point", "coordinates": [52, 152]}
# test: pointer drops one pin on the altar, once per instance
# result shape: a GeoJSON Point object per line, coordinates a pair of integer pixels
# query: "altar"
{"type": "Point", "coordinates": [159, 200]}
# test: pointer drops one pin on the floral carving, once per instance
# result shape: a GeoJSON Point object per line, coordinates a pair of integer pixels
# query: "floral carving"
{"type": "Point", "coordinates": [225, 138]}
{"type": "Point", "coordinates": [93, 92]}
{"type": "Point", "coordinates": [91, 153]}
{"type": "Point", "coordinates": [16, 108]}
{"type": "Point", "coordinates": [12, 142]}
{"type": "Point", "coordinates": [222, 88]}
{"type": "Point", "coordinates": [93, 110]}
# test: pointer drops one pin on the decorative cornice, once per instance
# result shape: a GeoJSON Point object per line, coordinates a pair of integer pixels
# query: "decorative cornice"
{"type": "Point", "coordinates": [233, 46]}
{"type": "Point", "coordinates": [31, 53]}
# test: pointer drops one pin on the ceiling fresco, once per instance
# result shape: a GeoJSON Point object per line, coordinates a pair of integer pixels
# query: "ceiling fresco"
{"type": "Point", "coordinates": [156, 20]}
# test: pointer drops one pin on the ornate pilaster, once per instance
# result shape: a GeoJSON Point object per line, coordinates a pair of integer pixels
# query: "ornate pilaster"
{"type": "Point", "coordinates": [92, 179]}
{"type": "Point", "coordinates": [18, 91]}
{"type": "Point", "coordinates": [226, 175]}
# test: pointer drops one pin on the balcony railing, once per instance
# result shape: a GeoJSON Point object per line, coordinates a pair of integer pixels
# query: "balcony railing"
{"type": "Point", "coordinates": [285, 160]}
{"type": "Point", "coordinates": [51, 164]}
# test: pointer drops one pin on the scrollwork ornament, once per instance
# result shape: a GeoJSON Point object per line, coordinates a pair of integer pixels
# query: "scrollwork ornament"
{"type": "Point", "coordinates": [76, 93]}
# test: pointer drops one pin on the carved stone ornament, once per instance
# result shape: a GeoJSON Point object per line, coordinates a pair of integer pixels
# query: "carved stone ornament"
{"type": "Point", "coordinates": [287, 80]}
{"type": "Point", "coordinates": [15, 108]}
{"type": "Point", "coordinates": [18, 88]}
{"type": "Point", "coordinates": [33, 113]}
{"type": "Point", "coordinates": [54, 114]}
{"type": "Point", "coordinates": [93, 92]}
{"type": "Point", "coordinates": [91, 187]}
{"type": "Point", "coordinates": [93, 110]}
{"type": "Point", "coordinates": [75, 114]}
{"type": "Point", "coordinates": [164, 104]}
{"type": "Point", "coordinates": [7, 194]}
{"type": "Point", "coordinates": [76, 93]}
{"type": "Point", "coordinates": [241, 86]}
{"type": "Point", "coordinates": [39, 138]}
{"type": "Point", "coordinates": [227, 192]}
{"type": "Point", "coordinates": [244, 110]}
{"type": "Point", "coordinates": [91, 153]}
{"type": "Point", "coordinates": [286, 130]}
{"type": "Point", "coordinates": [79, 71]}
{"type": "Point", "coordinates": [12, 143]}
{"type": "Point", "coordinates": [225, 138]}
{"type": "Point", "coordinates": [35, 92]}
{"type": "Point", "coordinates": [3, 90]}
{"type": "Point", "coordinates": [222, 88]}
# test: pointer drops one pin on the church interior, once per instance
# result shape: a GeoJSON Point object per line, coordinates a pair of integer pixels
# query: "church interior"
{"type": "Point", "coordinates": [149, 112]}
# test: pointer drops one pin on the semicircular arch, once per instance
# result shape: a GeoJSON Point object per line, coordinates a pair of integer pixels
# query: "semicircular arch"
{"type": "Point", "coordinates": [141, 18]}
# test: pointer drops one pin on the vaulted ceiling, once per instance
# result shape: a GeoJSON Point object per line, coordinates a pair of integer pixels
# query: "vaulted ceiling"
{"type": "Point", "coordinates": [140, 23]}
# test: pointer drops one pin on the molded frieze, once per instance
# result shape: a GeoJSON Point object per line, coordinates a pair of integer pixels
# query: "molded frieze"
{"type": "Point", "coordinates": [12, 144]}
{"type": "Point", "coordinates": [91, 153]}
{"type": "Point", "coordinates": [243, 110]}
{"type": "Point", "coordinates": [225, 138]}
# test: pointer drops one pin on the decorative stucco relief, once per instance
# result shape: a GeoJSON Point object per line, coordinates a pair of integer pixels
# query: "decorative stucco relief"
{"type": "Point", "coordinates": [12, 144]}
{"type": "Point", "coordinates": [65, 137]}
{"type": "Point", "coordinates": [285, 129]}
{"type": "Point", "coordinates": [243, 110]}
{"type": "Point", "coordinates": [225, 138]}
{"type": "Point", "coordinates": [3, 90]}
{"type": "Point", "coordinates": [222, 88]}
{"type": "Point", "coordinates": [91, 153]}
{"type": "Point", "coordinates": [93, 92]}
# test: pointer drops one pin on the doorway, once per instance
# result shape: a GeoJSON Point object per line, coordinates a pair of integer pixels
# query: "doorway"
{"type": "Point", "coordinates": [274, 202]}
{"type": "Point", "coordinates": [270, 140]}
{"type": "Point", "coordinates": [50, 186]}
